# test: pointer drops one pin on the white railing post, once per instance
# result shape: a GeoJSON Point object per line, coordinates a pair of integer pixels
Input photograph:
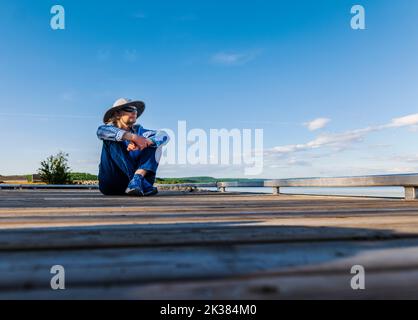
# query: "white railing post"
{"type": "Point", "coordinates": [411, 193]}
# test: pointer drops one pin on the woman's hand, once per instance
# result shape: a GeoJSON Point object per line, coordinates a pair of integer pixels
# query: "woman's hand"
{"type": "Point", "coordinates": [132, 147]}
{"type": "Point", "coordinates": [139, 143]}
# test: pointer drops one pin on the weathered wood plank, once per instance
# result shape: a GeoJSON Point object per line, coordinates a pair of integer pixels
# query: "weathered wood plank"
{"type": "Point", "coordinates": [281, 208]}
{"type": "Point", "coordinates": [39, 199]}
{"type": "Point", "coordinates": [97, 268]}
{"type": "Point", "coordinates": [172, 234]}
{"type": "Point", "coordinates": [392, 284]}
{"type": "Point", "coordinates": [394, 218]}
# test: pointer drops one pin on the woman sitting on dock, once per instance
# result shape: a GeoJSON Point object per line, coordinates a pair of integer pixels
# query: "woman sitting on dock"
{"type": "Point", "coordinates": [130, 153]}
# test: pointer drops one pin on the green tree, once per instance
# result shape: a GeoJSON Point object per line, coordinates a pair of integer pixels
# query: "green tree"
{"type": "Point", "coordinates": [83, 176]}
{"type": "Point", "coordinates": [55, 169]}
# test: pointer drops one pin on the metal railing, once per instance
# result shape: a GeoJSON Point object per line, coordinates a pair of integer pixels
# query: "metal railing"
{"type": "Point", "coordinates": [408, 181]}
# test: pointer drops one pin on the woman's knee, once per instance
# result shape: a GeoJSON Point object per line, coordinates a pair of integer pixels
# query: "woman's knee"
{"type": "Point", "coordinates": [108, 192]}
{"type": "Point", "coordinates": [148, 152]}
{"type": "Point", "coordinates": [112, 189]}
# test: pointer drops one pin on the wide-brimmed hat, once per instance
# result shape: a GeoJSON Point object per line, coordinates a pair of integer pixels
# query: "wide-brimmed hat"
{"type": "Point", "coordinates": [122, 103]}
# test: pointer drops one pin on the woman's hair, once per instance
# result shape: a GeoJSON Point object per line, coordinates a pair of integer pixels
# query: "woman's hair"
{"type": "Point", "coordinates": [114, 118]}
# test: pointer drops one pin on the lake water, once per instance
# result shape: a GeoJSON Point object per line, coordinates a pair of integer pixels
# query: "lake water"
{"type": "Point", "coordinates": [396, 192]}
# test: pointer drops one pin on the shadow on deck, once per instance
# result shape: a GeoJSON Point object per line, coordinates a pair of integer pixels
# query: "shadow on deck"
{"type": "Point", "coordinates": [205, 245]}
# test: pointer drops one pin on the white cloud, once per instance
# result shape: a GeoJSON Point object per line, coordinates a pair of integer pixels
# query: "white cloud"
{"type": "Point", "coordinates": [68, 96]}
{"type": "Point", "coordinates": [317, 124]}
{"type": "Point", "coordinates": [410, 120]}
{"type": "Point", "coordinates": [402, 170]}
{"type": "Point", "coordinates": [406, 158]}
{"type": "Point", "coordinates": [301, 163]}
{"type": "Point", "coordinates": [341, 141]}
{"type": "Point", "coordinates": [231, 59]}
{"type": "Point", "coordinates": [130, 55]}
{"type": "Point", "coordinates": [50, 116]}
{"type": "Point", "coordinates": [338, 141]}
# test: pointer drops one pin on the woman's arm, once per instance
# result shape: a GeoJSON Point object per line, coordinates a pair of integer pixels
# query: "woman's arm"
{"type": "Point", "coordinates": [111, 133]}
{"type": "Point", "coordinates": [158, 137]}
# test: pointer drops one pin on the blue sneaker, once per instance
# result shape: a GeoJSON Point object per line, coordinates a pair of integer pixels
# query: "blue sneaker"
{"type": "Point", "coordinates": [148, 189]}
{"type": "Point", "coordinates": [135, 186]}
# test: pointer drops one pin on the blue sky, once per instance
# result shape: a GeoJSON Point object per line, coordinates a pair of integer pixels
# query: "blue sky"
{"type": "Point", "coordinates": [275, 65]}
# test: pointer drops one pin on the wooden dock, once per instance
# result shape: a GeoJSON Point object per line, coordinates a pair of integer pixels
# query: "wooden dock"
{"type": "Point", "coordinates": [205, 245]}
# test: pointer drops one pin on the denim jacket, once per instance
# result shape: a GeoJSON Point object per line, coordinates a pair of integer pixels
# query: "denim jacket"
{"type": "Point", "coordinates": [112, 133]}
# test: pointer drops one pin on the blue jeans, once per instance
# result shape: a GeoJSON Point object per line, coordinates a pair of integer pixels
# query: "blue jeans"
{"type": "Point", "coordinates": [117, 167]}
